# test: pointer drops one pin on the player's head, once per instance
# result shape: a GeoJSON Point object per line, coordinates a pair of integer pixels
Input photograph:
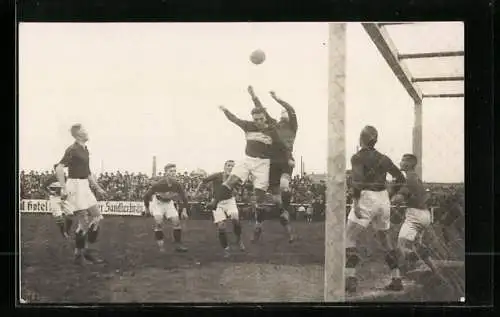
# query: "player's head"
{"type": "Point", "coordinates": [228, 166]}
{"type": "Point", "coordinates": [170, 170]}
{"type": "Point", "coordinates": [284, 115]}
{"type": "Point", "coordinates": [259, 118]}
{"type": "Point", "coordinates": [408, 162]}
{"type": "Point", "coordinates": [368, 137]}
{"type": "Point", "coordinates": [79, 132]}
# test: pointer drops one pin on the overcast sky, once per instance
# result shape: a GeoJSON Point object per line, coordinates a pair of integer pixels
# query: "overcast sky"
{"type": "Point", "coordinates": [154, 89]}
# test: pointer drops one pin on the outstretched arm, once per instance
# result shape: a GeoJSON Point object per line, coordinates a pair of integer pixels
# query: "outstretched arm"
{"type": "Point", "coordinates": [259, 105]}
{"type": "Point", "coordinates": [205, 181]}
{"type": "Point", "coordinates": [291, 111]}
{"type": "Point", "coordinates": [234, 119]}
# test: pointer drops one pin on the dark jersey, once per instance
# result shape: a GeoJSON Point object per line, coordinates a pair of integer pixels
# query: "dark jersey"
{"type": "Point", "coordinates": [414, 192]}
{"type": "Point", "coordinates": [286, 130]}
{"type": "Point", "coordinates": [76, 158]}
{"type": "Point", "coordinates": [259, 142]}
{"type": "Point", "coordinates": [369, 171]}
{"type": "Point", "coordinates": [164, 189]}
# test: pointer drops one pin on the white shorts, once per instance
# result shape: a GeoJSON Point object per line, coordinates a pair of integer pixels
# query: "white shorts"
{"type": "Point", "coordinates": [375, 208]}
{"type": "Point", "coordinates": [163, 210]}
{"type": "Point", "coordinates": [226, 209]}
{"type": "Point", "coordinates": [80, 197]}
{"type": "Point", "coordinates": [416, 221]}
{"type": "Point", "coordinates": [59, 207]}
{"type": "Point", "coordinates": [257, 167]}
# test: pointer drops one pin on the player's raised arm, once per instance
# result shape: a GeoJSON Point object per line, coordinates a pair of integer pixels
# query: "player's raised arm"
{"type": "Point", "coordinates": [259, 105]}
{"type": "Point", "coordinates": [290, 110]}
{"type": "Point", "coordinates": [205, 181]}
{"type": "Point", "coordinates": [234, 119]}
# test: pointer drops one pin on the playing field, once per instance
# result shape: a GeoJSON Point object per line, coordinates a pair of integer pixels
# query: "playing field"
{"type": "Point", "coordinates": [273, 270]}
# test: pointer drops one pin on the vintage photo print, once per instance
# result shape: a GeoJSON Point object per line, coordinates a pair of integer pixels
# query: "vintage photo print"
{"type": "Point", "coordinates": [241, 162]}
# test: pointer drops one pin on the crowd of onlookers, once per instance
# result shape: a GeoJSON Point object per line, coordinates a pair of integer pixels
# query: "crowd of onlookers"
{"type": "Point", "coordinates": [305, 191]}
{"type": "Point", "coordinates": [131, 187]}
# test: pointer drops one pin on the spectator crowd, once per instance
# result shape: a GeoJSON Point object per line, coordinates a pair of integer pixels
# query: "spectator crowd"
{"type": "Point", "coordinates": [131, 187]}
{"type": "Point", "coordinates": [305, 191]}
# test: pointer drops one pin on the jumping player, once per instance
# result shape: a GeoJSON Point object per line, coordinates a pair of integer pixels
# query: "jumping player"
{"type": "Point", "coordinates": [162, 197]}
{"type": "Point", "coordinates": [59, 208]}
{"type": "Point", "coordinates": [371, 204]}
{"type": "Point", "coordinates": [282, 162]}
{"type": "Point", "coordinates": [225, 209]}
{"type": "Point", "coordinates": [78, 195]}
{"type": "Point", "coordinates": [260, 136]}
{"type": "Point", "coordinates": [417, 219]}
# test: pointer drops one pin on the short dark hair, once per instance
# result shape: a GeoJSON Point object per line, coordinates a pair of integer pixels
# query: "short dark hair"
{"type": "Point", "coordinates": [169, 166]}
{"type": "Point", "coordinates": [257, 111]}
{"type": "Point", "coordinates": [411, 157]}
{"type": "Point", "coordinates": [228, 161]}
{"type": "Point", "coordinates": [75, 128]}
{"type": "Point", "coordinates": [369, 135]}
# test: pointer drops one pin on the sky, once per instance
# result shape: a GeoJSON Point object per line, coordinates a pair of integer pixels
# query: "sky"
{"type": "Point", "coordinates": [145, 89]}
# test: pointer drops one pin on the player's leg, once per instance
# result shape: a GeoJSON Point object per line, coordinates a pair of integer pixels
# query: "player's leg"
{"type": "Point", "coordinates": [260, 170]}
{"type": "Point", "coordinates": [233, 214]}
{"type": "Point", "coordinates": [285, 179]}
{"type": "Point", "coordinates": [277, 185]}
{"type": "Point", "coordinates": [382, 223]}
{"type": "Point", "coordinates": [423, 225]}
{"type": "Point", "coordinates": [354, 227]}
{"type": "Point", "coordinates": [87, 200]}
{"type": "Point", "coordinates": [78, 204]}
{"type": "Point", "coordinates": [68, 217]}
{"type": "Point", "coordinates": [158, 211]}
{"type": "Point", "coordinates": [95, 218]}
{"type": "Point", "coordinates": [259, 217]}
{"type": "Point", "coordinates": [173, 216]}
{"type": "Point", "coordinates": [81, 235]}
{"type": "Point", "coordinates": [219, 220]}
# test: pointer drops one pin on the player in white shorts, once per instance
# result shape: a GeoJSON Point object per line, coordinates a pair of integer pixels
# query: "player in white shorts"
{"type": "Point", "coordinates": [78, 195]}
{"type": "Point", "coordinates": [260, 136]}
{"type": "Point", "coordinates": [59, 208]}
{"type": "Point", "coordinates": [225, 209]}
{"type": "Point", "coordinates": [159, 202]}
{"type": "Point", "coordinates": [417, 218]}
{"type": "Point", "coordinates": [371, 204]}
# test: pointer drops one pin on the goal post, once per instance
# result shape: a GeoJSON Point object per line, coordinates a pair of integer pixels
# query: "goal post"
{"type": "Point", "coordinates": [334, 289]}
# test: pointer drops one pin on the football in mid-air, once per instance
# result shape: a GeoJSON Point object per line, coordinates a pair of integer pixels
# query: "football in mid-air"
{"type": "Point", "coordinates": [258, 57]}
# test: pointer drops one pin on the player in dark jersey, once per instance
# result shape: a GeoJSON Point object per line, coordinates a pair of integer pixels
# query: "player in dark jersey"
{"type": "Point", "coordinates": [225, 209]}
{"type": "Point", "coordinates": [371, 203]}
{"type": "Point", "coordinates": [282, 163]}
{"type": "Point", "coordinates": [260, 136]}
{"type": "Point", "coordinates": [162, 196]}
{"type": "Point", "coordinates": [78, 196]}
{"type": "Point", "coordinates": [417, 220]}
{"type": "Point", "coordinates": [60, 211]}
